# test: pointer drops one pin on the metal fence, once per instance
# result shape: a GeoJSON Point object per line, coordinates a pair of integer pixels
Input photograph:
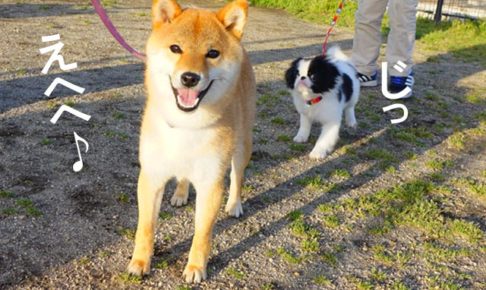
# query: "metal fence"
{"type": "Point", "coordinates": [452, 9]}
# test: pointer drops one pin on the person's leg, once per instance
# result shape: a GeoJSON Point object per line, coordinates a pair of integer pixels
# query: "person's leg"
{"type": "Point", "coordinates": [367, 37]}
{"type": "Point", "coordinates": [401, 39]}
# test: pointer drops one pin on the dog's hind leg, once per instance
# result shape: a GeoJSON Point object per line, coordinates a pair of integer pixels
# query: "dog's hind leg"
{"type": "Point", "coordinates": [181, 193]}
{"type": "Point", "coordinates": [327, 140]}
{"type": "Point", "coordinates": [149, 197]}
{"type": "Point", "coordinates": [240, 160]}
{"type": "Point", "coordinates": [350, 119]}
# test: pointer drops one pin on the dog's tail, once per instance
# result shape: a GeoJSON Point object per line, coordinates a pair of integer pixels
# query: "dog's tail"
{"type": "Point", "coordinates": [335, 53]}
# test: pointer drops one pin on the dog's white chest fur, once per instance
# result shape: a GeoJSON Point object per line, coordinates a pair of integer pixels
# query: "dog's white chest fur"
{"type": "Point", "coordinates": [179, 152]}
{"type": "Point", "coordinates": [328, 109]}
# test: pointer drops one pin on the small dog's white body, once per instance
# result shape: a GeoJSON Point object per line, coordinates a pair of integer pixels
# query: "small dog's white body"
{"type": "Point", "coordinates": [328, 111]}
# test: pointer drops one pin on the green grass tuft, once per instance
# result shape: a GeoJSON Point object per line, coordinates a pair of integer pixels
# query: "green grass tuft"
{"type": "Point", "coordinates": [165, 215]}
{"type": "Point", "coordinates": [6, 194]}
{"type": "Point", "coordinates": [297, 147]}
{"type": "Point", "coordinates": [284, 138]}
{"type": "Point", "coordinates": [321, 280]}
{"type": "Point", "coordinates": [278, 121]}
{"type": "Point", "coordinates": [129, 278]}
{"type": "Point", "coordinates": [162, 264]}
{"type": "Point", "coordinates": [46, 141]}
{"type": "Point", "coordinates": [123, 197]}
{"type": "Point", "coordinates": [288, 257]}
{"type": "Point", "coordinates": [235, 273]}
{"type": "Point", "coordinates": [341, 173]}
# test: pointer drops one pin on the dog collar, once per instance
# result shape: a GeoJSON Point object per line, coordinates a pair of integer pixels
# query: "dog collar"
{"type": "Point", "coordinates": [314, 101]}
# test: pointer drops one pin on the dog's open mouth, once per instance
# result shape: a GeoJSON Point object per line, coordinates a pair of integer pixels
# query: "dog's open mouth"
{"type": "Point", "coordinates": [189, 99]}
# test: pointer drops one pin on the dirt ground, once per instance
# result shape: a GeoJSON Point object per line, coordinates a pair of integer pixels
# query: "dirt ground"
{"type": "Point", "coordinates": [61, 229]}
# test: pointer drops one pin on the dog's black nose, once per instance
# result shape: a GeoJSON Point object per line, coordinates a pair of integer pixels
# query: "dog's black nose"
{"type": "Point", "coordinates": [302, 78]}
{"type": "Point", "coordinates": [190, 79]}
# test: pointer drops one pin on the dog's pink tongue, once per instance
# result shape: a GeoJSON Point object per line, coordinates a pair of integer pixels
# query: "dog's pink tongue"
{"type": "Point", "coordinates": [188, 97]}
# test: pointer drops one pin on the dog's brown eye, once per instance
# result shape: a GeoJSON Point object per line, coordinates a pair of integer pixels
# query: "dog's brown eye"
{"type": "Point", "coordinates": [175, 49]}
{"type": "Point", "coordinates": [212, 53]}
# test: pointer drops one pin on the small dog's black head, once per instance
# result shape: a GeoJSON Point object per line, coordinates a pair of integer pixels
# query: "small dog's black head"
{"type": "Point", "coordinates": [317, 74]}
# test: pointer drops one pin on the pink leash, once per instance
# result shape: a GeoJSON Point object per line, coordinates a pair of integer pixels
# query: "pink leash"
{"type": "Point", "coordinates": [111, 28]}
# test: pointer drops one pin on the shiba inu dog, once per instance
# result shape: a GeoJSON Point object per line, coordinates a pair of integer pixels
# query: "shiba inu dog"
{"type": "Point", "coordinates": [197, 122]}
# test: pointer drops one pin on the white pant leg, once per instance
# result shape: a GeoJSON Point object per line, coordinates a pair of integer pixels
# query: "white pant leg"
{"type": "Point", "coordinates": [401, 39]}
{"type": "Point", "coordinates": [367, 37]}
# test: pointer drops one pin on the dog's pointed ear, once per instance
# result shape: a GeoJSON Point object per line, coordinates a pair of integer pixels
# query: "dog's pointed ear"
{"type": "Point", "coordinates": [233, 16]}
{"type": "Point", "coordinates": [164, 11]}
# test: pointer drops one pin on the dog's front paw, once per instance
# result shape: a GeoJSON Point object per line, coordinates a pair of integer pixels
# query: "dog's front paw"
{"type": "Point", "coordinates": [139, 267]}
{"type": "Point", "coordinates": [318, 154]}
{"type": "Point", "coordinates": [194, 273]}
{"type": "Point", "coordinates": [300, 138]}
{"type": "Point", "coordinates": [234, 208]}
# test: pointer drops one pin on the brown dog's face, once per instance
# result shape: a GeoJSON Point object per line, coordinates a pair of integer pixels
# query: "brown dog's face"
{"type": "Point", "coordinates": [196, 51]}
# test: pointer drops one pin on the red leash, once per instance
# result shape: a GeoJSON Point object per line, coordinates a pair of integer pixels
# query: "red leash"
{"type": "Point", "coordinates": [111, 28]}
{"type": "Point", "coordinates": [333, 23]}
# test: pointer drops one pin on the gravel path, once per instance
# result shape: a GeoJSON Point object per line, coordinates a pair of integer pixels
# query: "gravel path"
{"type": "Point", "coordinates": [60, 229]}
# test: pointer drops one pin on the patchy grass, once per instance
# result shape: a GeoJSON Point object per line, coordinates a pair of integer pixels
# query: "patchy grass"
{"type": "Point", "coordinates": [284, 138]}
{"type": "Point", "coordinates": [278, 121]}
{"type": "Point", "coordinates": [341, 173]}
{"type": "Point", "coordinates": [316, 182]}
{"type": "Point", "coordinates": [9, 211]}
{"type": "Point", "coordinates": [297, 147]}
{"type": "Point", "coordinates": [123, 198]}
{"type": "Point", "coordinates": [127, 233]}
{"type": "Point", "coordinates": [46, 141]}
{"type": "Point", "coordinates": [464, 39]}
{"type": "Point", "coordinates": [329, 258]}
{"type": "Point", "coordinates": [384, 157]}
{"type": "Point", "coordinates": [267, 100]}
{"type": "Point", "coordinates": [162, 264]}
{"type": "Point", "coordinates": [118, 115]}
{"type": "Point", "coordinates": [129, 278]}
{"type": "Point", "coordinates": [268, 286]}
{"type": "Point", "coordinates": [331, 221]}
{"type": "Point", "coordinates": [288, 257]}
{"type": "Point", "coordinates": [69, 103]}
{"type": "Point", "coordinates": [310, 245]}
{"type": "Point", "coordinates": [6, 194]}
{"type": "Point", "coordinates": [295, 215]}
{"type": "Point", "coordinates": [315, 11]}
{"type": "Point", "coordinates": [473, 186]}
{"type": "Point", "coordinates": [456, 141]}
{"type": "Point", "coordinates": [115, 134]}
{"type": "Point", "coordinates": [321, 280]}
{"type": "Point", "coordinates": [235, 273]}
{"type": "Point", "coordinates": [28, 206]}
{"type": "Point", "coordinates": [109, 3]}
{"type": "Point", "coordinates": [410, 205]}
{"type": "Point", "coordinates": [439, 165]}
{"type": "Point", "coordinates": [165, 215]}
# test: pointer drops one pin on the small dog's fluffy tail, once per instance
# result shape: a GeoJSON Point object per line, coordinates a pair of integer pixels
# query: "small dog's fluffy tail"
{"type": "Point", "coordinates": [336, 53]}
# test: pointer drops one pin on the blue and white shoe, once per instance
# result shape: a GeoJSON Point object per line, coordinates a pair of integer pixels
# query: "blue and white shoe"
{"type": "Point", "coordinates": [398, 84]}
{"type": "Point", "coordinates": [368, 81]}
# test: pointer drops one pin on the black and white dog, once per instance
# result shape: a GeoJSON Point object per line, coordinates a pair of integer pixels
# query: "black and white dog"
{"type": "Point", "coordinates": [323, 88]}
